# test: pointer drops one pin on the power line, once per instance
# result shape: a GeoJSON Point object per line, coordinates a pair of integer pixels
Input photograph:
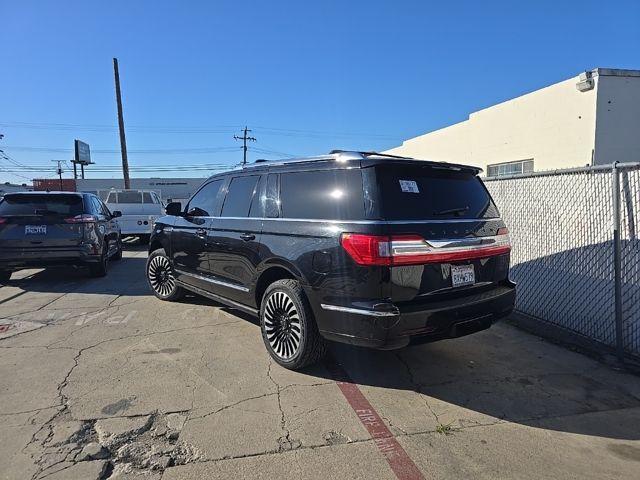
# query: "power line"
{"type": "Point", "coordinates": [273, 152]}
{"type": "Point", "coordinates": [6, 157]}
{"type": "Point", "coordinates": [222, 129]}
{"type": "Point", "coordinates": [15, 174]}
{"type": "Point", "coordinates": [215, 129]}
{"type": "Point", "coordinates": [244, 139]}
{"type": "Point", "coordinates": [198, 150]}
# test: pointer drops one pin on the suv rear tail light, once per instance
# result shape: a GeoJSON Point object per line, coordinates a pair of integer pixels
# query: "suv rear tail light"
{"type": "Point", "coordinates": [3, 220]}
{"type": "Point", "coordinates": [415, 250]}
{"type": "Point", "coordinates": [81, 219]}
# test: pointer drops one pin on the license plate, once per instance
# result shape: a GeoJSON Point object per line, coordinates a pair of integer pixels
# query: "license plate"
{"type": "Point", "coordinates": [35, 229]}
{"type": "Point", "coordinates": [462, 275]}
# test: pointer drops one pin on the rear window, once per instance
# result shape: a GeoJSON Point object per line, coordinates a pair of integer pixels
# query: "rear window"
{"type": "Point", "coordinates": [426, 193]}
{"type": "Point", "coordinates": [322, 195]}
{"type": "Point", "coordinates": [129, 197]}
{"type": "Point", "coordinates": [41, 204]}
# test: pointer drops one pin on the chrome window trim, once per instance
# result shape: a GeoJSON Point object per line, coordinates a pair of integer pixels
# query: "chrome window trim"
{"type": "Point", "coordinates": [358, 311]}
{"type": "Point", "coordinates": [212, 280]}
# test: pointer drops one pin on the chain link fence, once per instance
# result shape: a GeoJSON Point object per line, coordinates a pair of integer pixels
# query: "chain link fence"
{"type": "Point", "coordinates": [573, 270]}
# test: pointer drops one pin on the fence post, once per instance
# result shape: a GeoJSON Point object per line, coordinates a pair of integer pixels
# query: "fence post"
{"type": "Point", "coordinates": [617, 262]}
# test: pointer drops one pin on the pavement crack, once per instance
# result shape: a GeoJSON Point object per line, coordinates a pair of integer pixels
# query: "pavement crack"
{"type": "Point", "coordinates": [35, 410]}
{"type": "Point", "coordinates": [417, 387]}
{"type": "Point", "coordinates": [235, 404]}
{"type": "Point", "coordinates": [284, 442]}
{"type": "Point", "coordinates": [390, 423]}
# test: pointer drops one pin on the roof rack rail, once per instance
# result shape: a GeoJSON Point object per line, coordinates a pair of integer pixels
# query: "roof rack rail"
{"type": "Point", "coordinates": [367, 154]}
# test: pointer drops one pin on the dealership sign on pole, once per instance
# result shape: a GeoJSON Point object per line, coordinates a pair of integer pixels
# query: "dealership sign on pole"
{"type": "Point", "coordinates": [83, 153]}
{"type": "Point", "coordinates": [82, 156]}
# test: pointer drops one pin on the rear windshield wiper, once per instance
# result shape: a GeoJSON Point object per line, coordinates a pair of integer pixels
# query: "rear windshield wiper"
{"type": "Point", "coordinates": [452, 210]}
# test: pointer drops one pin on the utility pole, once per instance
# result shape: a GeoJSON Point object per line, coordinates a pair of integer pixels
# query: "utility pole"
{"type": "Point", "coordinates": [244, 139]}
{"type": "Point", "coordinates": [123, 140]}
{"type": "Point", "coordinates": [59, 172]}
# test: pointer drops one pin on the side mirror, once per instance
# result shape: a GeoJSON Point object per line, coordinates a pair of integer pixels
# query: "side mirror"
{"type": "Point", "coordinates": [174, 209]}
{"type": "Point", "coordinates": [116, 214]}
{"type": "Point", "coordinates": [197, 212]}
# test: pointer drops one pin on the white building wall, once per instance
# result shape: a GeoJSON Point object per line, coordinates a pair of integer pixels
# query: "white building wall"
{"type": "Point", "coordinates": [449, 144]}
{"type": "Point", "coordinates": [618, 123]}
{"type": "Point", "coordinates": [555, 126]}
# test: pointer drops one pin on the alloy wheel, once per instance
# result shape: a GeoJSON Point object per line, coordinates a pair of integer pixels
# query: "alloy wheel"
{"type": "Point", "coordinates": [282, 325]}
{"type": "Point", "coordinates": [161, 276]}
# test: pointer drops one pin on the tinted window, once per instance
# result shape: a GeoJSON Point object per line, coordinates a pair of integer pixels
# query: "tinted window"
{"type": "Point", "coordinates": [257, 204]}
{"type": "Point", "coordinates": [130, 197]}
{"type": "Point", "coordinates": [102, 208]}
{"type": "Point", "coordinates": [97, 206]}
{"type": "Point", "coordinates": [272, 196]}
{"type": "Point", "coordinates": [112, 197]}
{"type": "Point", "coordinates": [239, 196]}
{"type": "Point", "coordinates": [325, 194]}
{"type": "Point", "coordinates": [425, 193]}
{"type": "Point", "coordinates": [146, 197]}
{"type": "Point", "coordinates": [207, 199]}
{"type": "Point", "coordinates": [41, 204]}
{"type": "Point", "coordinates": [105, 210]}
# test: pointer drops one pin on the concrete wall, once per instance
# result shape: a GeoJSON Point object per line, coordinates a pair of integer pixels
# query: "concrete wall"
{"type": "Point", "coordinates": [449, 144]}
{"type": "Point", "coordinates": [555, 126]}
{"type": "Point", "coordinates": [618, 122]}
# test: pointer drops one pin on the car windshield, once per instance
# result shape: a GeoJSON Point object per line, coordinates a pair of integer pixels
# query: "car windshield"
{"type": "Point", "coordinates": [41, 204]}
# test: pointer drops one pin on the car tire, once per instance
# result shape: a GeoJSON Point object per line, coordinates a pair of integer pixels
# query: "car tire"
{"type": "Point", "coordinates": [118, 254]}
{"type": "Point", "coordinates": [161, 278]}
{"type": "Point", "coordinates": [5, 275]}
{"type": "Point", "coordinates": [100, 269]}
{"type": "Point", "coordinates": [289, 330]}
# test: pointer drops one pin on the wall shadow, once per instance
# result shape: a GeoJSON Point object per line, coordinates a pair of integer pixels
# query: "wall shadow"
{"type": "Point", "coordinates": [504, 373]}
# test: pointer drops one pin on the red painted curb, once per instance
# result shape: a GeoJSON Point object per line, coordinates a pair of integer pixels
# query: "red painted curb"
{"type": "Point", "coordinates": [396, 457]}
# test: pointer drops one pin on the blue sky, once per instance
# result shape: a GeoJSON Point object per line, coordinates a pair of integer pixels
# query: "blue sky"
{"type": "Point", "coordinates": [306, 76]}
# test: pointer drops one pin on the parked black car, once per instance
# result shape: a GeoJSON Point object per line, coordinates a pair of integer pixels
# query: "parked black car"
{"type": "Point", "coordinates": [40, 229]}
{"type": "Point", "coordinates": [362, 248]}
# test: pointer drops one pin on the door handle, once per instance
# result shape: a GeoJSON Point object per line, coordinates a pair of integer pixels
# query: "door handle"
{"type": "Point", "coordinates": [201, 232]}
{"type": "Point", "coordinates": [247, 237]}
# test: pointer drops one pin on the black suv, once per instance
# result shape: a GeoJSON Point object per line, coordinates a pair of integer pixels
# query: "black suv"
{"type": "Point", "coordinates": [40, 229]}
{"type": "Point", "coordinates": [362, 248]}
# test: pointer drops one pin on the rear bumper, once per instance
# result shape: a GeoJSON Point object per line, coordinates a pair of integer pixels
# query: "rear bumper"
{"type": "Point", "coordinates": [37, 258]}
{"type": "Point", "coordinates": [385, 326]}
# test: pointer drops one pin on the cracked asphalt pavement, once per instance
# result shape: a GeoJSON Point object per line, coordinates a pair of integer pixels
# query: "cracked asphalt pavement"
{"type": "Point", "coordinates": [99, 379]}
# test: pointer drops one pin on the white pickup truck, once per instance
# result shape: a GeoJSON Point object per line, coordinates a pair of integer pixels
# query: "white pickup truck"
{"type": "Point", "coordinates": [139, 208]}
